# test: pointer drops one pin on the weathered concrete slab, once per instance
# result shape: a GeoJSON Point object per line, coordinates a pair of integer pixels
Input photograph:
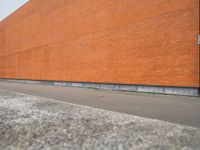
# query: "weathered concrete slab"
{"type": "Point", "coordinates": [128, 88]}
{"type": "Point", "coordinates": [30, 122]}
{"type": "Point", "coordinates": [90, 85]}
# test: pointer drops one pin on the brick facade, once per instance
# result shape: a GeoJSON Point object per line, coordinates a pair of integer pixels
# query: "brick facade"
{"type": "Point", "coordinates": [107, 41]}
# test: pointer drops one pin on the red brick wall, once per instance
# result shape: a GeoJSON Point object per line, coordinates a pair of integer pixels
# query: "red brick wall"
{"type": "Point", "coordinates": [150, 42]}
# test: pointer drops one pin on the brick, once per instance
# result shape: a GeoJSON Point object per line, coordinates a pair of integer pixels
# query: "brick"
{"type": "Point", "coordinates": [142, 43]}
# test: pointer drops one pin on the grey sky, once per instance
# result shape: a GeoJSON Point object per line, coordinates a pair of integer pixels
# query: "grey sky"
{"type": "Point", "coordinates": [9, 6]}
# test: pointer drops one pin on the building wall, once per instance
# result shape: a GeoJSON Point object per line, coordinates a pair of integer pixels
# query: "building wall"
{"type": "Point", "coordinates": [107, 41]}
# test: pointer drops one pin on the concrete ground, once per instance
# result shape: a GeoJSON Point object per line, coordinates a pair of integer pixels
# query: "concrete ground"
{"type": "Point", "coordinates": [176, 109]}
{"type": "Point", "coordinates": [34, 123]}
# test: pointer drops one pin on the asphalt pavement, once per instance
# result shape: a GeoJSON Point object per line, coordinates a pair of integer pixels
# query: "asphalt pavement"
{"type": "Point", "coordinates": [176, 109]}
{"type": "Point", "coordinates": [35, 123]}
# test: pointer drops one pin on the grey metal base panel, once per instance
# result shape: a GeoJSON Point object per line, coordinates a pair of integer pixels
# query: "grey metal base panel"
{"type": "Point", "coordinates": [187, 91]}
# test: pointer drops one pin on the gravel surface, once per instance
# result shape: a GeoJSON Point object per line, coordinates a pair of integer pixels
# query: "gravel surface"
{"type": "Point", "coordinates": [31, 122]}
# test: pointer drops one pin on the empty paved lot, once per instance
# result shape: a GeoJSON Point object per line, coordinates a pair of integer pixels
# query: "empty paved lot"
{"type": "Point", "coordinates": [178, 109]}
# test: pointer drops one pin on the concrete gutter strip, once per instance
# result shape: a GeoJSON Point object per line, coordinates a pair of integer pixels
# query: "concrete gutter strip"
{"type": "Point", "coordinates": [31, 122]}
